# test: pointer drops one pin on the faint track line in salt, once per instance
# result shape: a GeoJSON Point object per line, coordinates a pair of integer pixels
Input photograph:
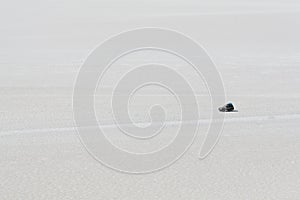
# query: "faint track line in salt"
{"type": "Point", "coordinates": [203, 121]}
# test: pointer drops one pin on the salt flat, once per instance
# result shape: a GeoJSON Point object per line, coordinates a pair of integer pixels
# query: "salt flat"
{"type": "Point", "coordinates": [257, 53]}
{"type": "Point", "coordinates": [257, 155]}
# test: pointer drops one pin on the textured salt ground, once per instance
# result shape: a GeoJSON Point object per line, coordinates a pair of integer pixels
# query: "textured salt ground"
{"type": "Point", "coordinates": [257, 157]}
{"type": "Point", "coordinates": [253, 159]}
{"type": "Point", "coordinates": [256, 49]}
{"type": "Point", "coordinates": [41, 156]}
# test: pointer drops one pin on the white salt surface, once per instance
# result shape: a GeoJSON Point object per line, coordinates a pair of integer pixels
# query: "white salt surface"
{"type": "Point", "coordinates": [256, 48]}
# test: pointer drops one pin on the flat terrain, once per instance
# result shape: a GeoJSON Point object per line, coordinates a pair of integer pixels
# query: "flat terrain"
{"type": "Point", "coordinates": [257, 53]}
